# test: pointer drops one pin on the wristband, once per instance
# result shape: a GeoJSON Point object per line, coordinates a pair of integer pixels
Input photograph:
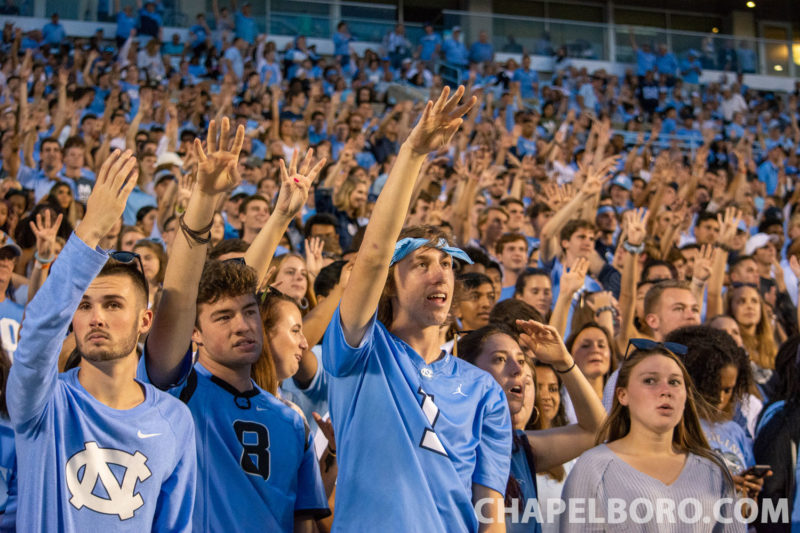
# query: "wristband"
{"type": "Point", "coordinates": [628, 247]}
{"type": "Point", "coordinates": [723, 247]}
{"type": "Point", "coordinates": [567, 370]}
{"type": "Point", "coordinates": [42, 261]}
{"type": "Point", "coordinates": [604, 309]}
{"type": "Point", "coordinates": [196, 236]}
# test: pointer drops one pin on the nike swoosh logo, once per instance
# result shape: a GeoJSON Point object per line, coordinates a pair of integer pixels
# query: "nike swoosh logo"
{"type": "Point", "coordinates": [261, 408]}
{"type": "Point", "coordinates": [146, 435]}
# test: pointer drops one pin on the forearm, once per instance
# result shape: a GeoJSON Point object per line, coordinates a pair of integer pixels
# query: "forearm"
{"type": "Point", "coordinates": [371, 267]}
{"type": "Point", "coordinates": [588, 407]}
{"type": "Point", "coordinates": [47, 318]}
{"type": "Point", "coordinates": [175, 318]}
{"type": "Point", "coordinates": [627, 299]}
{"type": "Point", "coordinates": [560, 314]}
{"type": "Point", "coordinates": [715, 282]}
{"type": "Point", "coordinates": [263, 247]}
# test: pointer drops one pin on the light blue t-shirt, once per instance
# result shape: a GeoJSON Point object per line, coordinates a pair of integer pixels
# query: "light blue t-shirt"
{"type": "Point", "coordinates": [430, 431]}
{"type": "Point", "coordinates": [85, 465]}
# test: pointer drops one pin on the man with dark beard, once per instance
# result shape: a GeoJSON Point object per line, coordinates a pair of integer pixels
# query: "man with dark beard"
{"type": "Point", "coordinates": [71, 428]}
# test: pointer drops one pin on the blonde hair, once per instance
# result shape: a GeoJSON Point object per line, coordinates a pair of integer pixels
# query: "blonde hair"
{"type": "Point", "coordinates": [310, 296]}
{"type": "Point", "coordinates": [341, 199]}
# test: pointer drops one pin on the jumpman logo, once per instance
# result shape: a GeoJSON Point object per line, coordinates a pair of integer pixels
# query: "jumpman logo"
{"type": "Point", "coordinates": [459, 391]}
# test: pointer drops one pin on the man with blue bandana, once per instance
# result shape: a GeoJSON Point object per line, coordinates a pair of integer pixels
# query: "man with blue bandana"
{"type": "Point", "coordinates": [390, 380]}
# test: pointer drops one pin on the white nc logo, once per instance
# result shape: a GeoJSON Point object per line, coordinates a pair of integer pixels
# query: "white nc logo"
{"type": "Point", "coordinates": [95, 462]}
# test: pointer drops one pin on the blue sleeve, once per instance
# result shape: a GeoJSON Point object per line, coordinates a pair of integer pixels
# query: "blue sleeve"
{"type": "Point", "coordinates": [493, 460]}
{"type": "Point", "coordinates": [31, 382]}
{"type": "Point", "coordinates": [311, 500]}
{"type": "Point", "coordinates": [176, 500]}
{"type": "Point", "coordinates": [8, 520]}
{"type": "Point", "coordinates": [26, 176]}
{"type": "Point", "coordinates": [338, 357]}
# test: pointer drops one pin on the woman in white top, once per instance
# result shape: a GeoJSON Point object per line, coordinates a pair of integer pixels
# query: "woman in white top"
{"type": "Point", "coordinates": [655, 457]}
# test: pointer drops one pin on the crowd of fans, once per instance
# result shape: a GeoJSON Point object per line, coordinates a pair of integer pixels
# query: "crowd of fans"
{"type": "Point", "coordinates": [649, 220]}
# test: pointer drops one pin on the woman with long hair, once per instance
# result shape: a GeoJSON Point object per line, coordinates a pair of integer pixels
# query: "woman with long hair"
{"type": "Point", "coordinates": [292, 278]}
{"type": "Point", "coordinates": [496, 349]}
{"type": "Point", "coordinates": [651, 446]}
{"type": "Point", "coordinates": [549, 413]}
{"type": "Point", "coordinates": [154, 264]}
{"type": "Point", "coordinates": [747, 307]}
{"type": "Point", "coordinates": [593, 350]}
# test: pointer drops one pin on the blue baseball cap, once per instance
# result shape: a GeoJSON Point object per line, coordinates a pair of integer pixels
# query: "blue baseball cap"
{"type": "Point", "coordinates": [621, 180]}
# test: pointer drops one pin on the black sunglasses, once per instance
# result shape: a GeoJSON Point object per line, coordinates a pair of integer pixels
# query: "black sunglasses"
{"type": "Point", "coordinates": [131, 259]}
{"type": "Point", "coordinates": [647, 344]}
{"type": "Point", "coordinates": [740, 284]}
{"type": "Point", "coordinates": [271, 291]}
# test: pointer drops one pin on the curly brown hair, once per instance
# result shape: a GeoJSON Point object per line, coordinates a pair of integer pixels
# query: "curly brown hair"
{"type": "Point", "coordinates": [222, 279]}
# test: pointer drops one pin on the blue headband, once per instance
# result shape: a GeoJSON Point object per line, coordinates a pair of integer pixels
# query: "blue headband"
{"type": "Point", "coordinates": [405, 246]}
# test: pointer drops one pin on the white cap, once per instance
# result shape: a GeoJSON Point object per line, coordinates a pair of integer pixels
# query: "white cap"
{"type": "Point", "coordinates": [759, 240]}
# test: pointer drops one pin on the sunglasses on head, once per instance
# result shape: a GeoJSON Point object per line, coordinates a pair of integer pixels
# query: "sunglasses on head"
{"type": "Point", "coordinates": [648, 344]}
{"type": "Point", "coordinates": [740, 284]}
{"type": "Point", "coordinates": [270, 291]}
{"type": "Point", "coordinates": [131, 259]}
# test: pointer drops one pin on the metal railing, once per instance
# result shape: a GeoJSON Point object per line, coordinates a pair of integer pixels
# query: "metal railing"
{"type": "Point", "coordinates": [370, 22]}
{"type": "Point", "coordinates": [610, 42]}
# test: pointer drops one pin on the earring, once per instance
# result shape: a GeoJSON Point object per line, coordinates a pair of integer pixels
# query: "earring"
{"type": "Point", "coordinates": [536, 418]}
{"type": "Point", "coordinates": [304, 303]}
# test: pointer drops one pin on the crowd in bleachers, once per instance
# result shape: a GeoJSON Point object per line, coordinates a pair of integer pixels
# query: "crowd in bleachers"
{"type": "Point", "coordinates": [339, 241]}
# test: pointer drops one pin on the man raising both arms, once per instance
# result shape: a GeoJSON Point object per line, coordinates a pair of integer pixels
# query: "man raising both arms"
{"type": "Point", "coordinates": [400, 462]}
{"type": "Point", "coordinates": [98, 450]}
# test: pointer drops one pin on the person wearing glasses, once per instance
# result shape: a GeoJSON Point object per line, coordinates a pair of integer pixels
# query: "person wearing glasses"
{"type": "Point", "coordinates": [651, 446]}
{"type": "Point", "coordinates": [498, 349]}
{"type": "Point", "coordinates": [71, 428]}
{"type": "Point", "coordinates": [256, 468]}
{"type": "Point", "coordinates": [402, 409]}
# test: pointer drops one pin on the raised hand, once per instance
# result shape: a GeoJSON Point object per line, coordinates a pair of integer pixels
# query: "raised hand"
{"type": "Point", "coordinates": [574, 276]}
{"type": "Point", "coordinates": [597, 175]}
{"type": "Point", "coordinates": [636, 226]}
{"type": "Point", "coordinates": [217, 171]}
{"type": "Point", "coordinates": [115, 181]}
{"type": "Point", "coordinates": [314, 248]}
{"type": "Point", "coordinates": [728, 224]}
{"type": "Point", "coordinates": [545, 343]}
{"type": "Point", "coordinates": [295, 184]}
{"type": "Point", "coordinates": [439, 122]}
{"type": "Point", "coordinates": [326, 426]}
{"type": "Point", "coordinates": [703, 264]}
{"type": "Point", "coordinates": [45, 231]}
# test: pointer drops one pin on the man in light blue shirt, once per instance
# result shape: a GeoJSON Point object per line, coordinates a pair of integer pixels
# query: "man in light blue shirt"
{"type": "Point", "coordinates": [429, 44]}
{"type": "Point", "coordinates": [482, 50]}
{"type": "Point", "coordinates": [528, 79]}
{"type": "Point", "coordinates": [98, 451]}
{"type": "Point", "coordinates": [341, 43]}
{"type": "Point", "coordinates": [53, 32]}
{"type": "Point", "coordinates": [769, 169]}
{"type": "Point", "coordinates": [246, 27]}
{"type": "Point", "coordinates": [691, 69]}
{"type": "Point", "coordinates": [454, 50]}
{"type": "Point", "coordinates": [666, 62]}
